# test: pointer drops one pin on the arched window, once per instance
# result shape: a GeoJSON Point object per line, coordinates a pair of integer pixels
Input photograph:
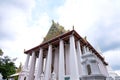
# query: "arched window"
{"type": "Point", "coordinates": [89, 69]}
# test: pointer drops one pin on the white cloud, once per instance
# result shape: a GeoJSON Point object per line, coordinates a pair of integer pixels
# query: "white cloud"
{"type": "Point", "coordinates": [33, 35]}
{"type": "Point", "coordinates": [99, 20]}
{"type": "Point", "coordinates": [79, 13]}
{"type": "Point", "coordinates": [112, 57]}
{"type": "Point", "coordinates": [15, 23]}
{"type": "Point", "coordinates": [85, 13]}
{"type": "Point", "coordinates": [27, 37]}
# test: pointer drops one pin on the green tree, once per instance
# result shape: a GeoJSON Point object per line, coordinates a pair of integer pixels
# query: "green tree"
{"type": "Point", "coordinates": [7, 67]}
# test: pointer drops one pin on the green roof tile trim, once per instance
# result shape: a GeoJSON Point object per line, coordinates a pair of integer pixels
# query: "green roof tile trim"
{"type": "Point", "coordinates": [54, 31]}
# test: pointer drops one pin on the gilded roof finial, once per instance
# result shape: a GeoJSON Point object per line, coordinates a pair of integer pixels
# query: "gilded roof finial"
{"type": "Point", "coordinates": [53, 22]}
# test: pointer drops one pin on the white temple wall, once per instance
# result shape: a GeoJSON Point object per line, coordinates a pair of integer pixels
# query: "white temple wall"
{"type": "Point", "coordinates": [103, 68]}
{"type": "Point", "coordinates": [94, 63]}
{"type": "Point", "coordinates": [95, 68]}
{"type": "Point", "coordinates": [84, 69]}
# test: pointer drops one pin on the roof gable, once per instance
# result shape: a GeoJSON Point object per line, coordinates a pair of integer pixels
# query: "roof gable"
{"type": "Point", "coordinates": [55, 30]}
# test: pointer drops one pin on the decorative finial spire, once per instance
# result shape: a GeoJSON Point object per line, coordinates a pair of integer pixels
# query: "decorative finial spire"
{"type": "Point", "coordinates": [24, 50]}
{"type": "Point", "coordinates": [53, 22]}
{"type": "Point", "coordinates": [85, 39]}
{"type": "Point", "coordinates": [73, 27]}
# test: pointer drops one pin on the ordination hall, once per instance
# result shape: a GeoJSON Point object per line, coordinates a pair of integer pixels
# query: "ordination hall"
{"type": "Point", "coordinates": [63, 55]}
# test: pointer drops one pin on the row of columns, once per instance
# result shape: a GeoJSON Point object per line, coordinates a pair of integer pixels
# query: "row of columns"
{"type": "Point", "coordinates": [74, 62]}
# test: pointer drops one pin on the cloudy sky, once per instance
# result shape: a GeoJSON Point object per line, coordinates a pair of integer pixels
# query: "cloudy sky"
{"type": "Point", "coordinates": [24, 23]}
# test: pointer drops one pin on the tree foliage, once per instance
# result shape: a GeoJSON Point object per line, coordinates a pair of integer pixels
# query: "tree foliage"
{"type": "Point", "coordinates": [7, 67]}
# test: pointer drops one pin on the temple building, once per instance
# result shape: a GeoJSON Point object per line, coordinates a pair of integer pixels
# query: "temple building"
{"type": "Point", "coordinates": [64, 55]}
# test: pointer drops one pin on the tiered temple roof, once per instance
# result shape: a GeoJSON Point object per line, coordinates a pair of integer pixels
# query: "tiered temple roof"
{"type": "Point", "coordinates": [54, 31]}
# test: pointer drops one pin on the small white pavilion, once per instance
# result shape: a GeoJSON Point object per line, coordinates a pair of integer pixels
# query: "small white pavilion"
{"type": "Point", "coordinates": [64, 55]}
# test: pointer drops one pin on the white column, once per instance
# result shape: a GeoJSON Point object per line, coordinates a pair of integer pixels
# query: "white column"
{"type": "Point", "coordinates": [67, 59]}
{"type": "Point", "coordinates": [84, 50]}
{"type": "Point", "coordinates": [39, 65]}
{"type": "Point", "coordinates": [56, 62]}
{"type": "Point", "coordinates": [21, 76]}
{"type": "Point", "coordinates": [74, 75]}
{"type": "Point", "coordinates": [32, 67]}
{"type": "Point", "coordinates": [61, 61]}
{"type": "Point", "coordinates": [87, 49]}
{"type": "Point", "coordinates": [79, 58]}
{"type": "Point", "coordinates": [48, 63]}
{"type": "Point", "coordinates": [27, 61]}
